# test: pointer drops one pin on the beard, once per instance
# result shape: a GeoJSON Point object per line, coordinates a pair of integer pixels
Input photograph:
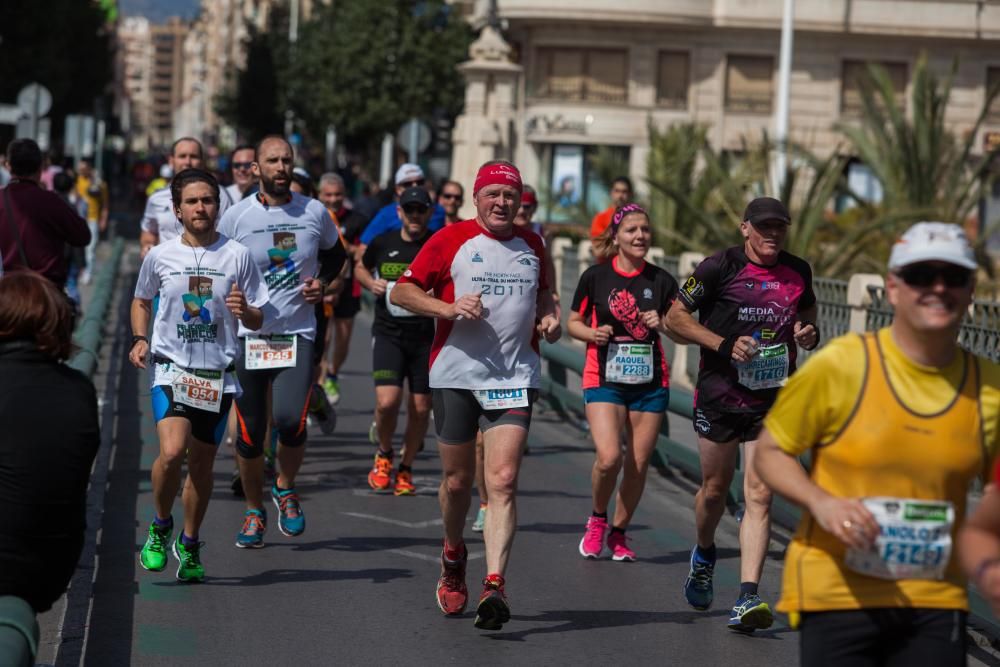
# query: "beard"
{"type": "Point", "coordinates": [268, 185]}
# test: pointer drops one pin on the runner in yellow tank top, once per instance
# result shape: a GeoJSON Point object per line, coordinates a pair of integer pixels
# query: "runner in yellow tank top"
{"type": "Point", "coordinates": [898, 423]}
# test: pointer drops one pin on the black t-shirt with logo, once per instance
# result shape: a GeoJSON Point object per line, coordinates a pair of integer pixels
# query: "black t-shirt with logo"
{"type": "Point", "coordinates": [606, 295]}
{"type": "Point", "coordinates": [733, 295]}
{"type": "Point", "coordinates": [388, 257]}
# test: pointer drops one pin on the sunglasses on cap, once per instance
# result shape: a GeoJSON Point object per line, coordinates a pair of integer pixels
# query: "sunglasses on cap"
{"type": "Point", "coordinates": [415, 209]}
{"type": "Point", "coordinates": [242, 165]}
{"type": "Point", "coordinates": [412, 184]}
{"type": "Point", "coordinates": [926, 275]}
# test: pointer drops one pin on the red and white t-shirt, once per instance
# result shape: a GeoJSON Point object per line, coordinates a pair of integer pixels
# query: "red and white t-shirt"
{"type": "Point", "coordinates": [499, 351]}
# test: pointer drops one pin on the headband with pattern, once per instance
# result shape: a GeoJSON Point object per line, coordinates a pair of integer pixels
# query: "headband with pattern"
{"type": "Point", "coordinates": [620, 214]}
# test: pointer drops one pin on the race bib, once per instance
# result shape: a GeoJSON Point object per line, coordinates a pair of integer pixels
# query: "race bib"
{"type": "Point", "coordinates": [767, 370]}
{"type": "Point", "coordinates": [198, 389]}
{"type": "Point", "coordinates": [629, 363]}
{"type": "Point", "coordinates": [501, 399]}
{"type": "Point", "coordinates": [270, 352]}
{"type": "Point", "coordinates": [395, 310]}
{"type": "Point", "coordinates": [914, 541]}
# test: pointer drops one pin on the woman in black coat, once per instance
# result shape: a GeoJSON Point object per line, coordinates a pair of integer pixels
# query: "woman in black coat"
{"type": "Point", "coordinates": [49, 435]}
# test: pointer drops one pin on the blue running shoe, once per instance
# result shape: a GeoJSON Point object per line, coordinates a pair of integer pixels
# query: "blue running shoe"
{"type": "Point", "coordinates": [251, 535]}
{"type": "Point", "coordinates": [750, 613]}
{"type": "Point", "coordinates": [698, 586]}
{"type": "Point", "coordinates": [291, 520]}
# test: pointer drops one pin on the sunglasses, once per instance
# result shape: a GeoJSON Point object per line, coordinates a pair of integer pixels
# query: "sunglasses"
{"type": "Point", "coordinates": [448, 195]}
{"type": "Point", "coordinates": [926, 275]}
{"type": "Point", "coordinates": [415, 209]}
{"type": "Point", "coordinates": [412, 184]}
{"type": "Point", "coordinates": [242, 165]}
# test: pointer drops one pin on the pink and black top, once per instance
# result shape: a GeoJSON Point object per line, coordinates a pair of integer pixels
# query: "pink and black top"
{"type": "Point", "coordinates": [733, 295]}
{"type": "Point", "coordinates": [608, 295]}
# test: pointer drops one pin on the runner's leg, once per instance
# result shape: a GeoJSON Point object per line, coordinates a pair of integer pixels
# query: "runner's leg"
{"type": "Point", "coordinates": [198, 486]}
{"type": "Point", "coordinates": [455, 494]}
{"type": "Point", "coordinates": [388, 398]}
{"type": "Point", "coordinates": [606, 421]}
{"type": "Point", "coordinates": [174, 434]}
{"type": "Point", "coordinates": [419, 412]}
{"type": "Point", "coordinates": [718, 464]}
{"type": "Point", "coordinates": [755, 528]}
{"type": "Point", "coordinates": [645, 429]}
{"type": "Point", "coordinates": [503, 447]}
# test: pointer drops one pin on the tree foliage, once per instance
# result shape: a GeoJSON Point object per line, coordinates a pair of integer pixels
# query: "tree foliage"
{"type": "Point", "coordinates": [367, 67]}
{"type": "Point", "coordinates": [35, 37]}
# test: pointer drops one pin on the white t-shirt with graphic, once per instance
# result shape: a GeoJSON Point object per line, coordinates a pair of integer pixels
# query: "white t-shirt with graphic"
{"type": "Point", "coordinates": [193, 327]}
{"type": "Point", "coordinates": [284, 242]}
{"type": "Point", "coordinates": [159, 217]}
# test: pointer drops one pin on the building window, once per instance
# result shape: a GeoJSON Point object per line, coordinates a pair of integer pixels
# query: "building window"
{"type": "Point", "coordinates": [749, 84]}
{"type": "Point", "coordinates": [992, 81]}
{"type": "Point", "coordinates": [673, 80]}
{"type": "Point", "coordinates": [576, 75]}
{"type": "Point", "coordinates": [856, 70]}
{"type": "Point", "coordinates": [576, 186]}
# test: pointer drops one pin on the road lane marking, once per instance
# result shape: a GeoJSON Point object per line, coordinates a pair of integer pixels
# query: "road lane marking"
{"type": "Point", "coordinates": [396, 522]}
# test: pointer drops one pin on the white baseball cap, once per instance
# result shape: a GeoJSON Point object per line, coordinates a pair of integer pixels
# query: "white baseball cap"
{"type": "Point", "coordinates": [409, 172]}
{"type": "Point", "coordinates": [933, 242]}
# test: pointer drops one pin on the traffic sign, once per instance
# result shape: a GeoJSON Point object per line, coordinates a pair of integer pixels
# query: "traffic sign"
{"type": "Point", "coordinates": [415, 135]}
{"type": "Point", "coordinates": [35, 100]}
{"type": "Point", "coordinates": [10, 114]}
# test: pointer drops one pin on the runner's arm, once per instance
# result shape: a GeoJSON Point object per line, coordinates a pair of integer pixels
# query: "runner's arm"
{"type": "Point", "coordinates": [331, 261]}
{"type": "Point", "coordinates": [582, 331]}
{"type": "Point", "coordinates": [415, 300]}
{"type": "Point", "coordinates": [847, 519]}
{"type": "Point", "coordinates": [367, 280]}
{"type": "Point", "coordinates": [979, 547]}
{"type": "Point", "coordinates": [140, 314]}
{"type": "Point", "coordinates": [681, 322]}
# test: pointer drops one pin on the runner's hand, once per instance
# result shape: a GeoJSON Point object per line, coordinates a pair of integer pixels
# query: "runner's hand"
{"type": "Point", "coordinates": [550, 328]}
{"type": "Point", "coordinates": [744, 349]}
{"type": "Point", "coordinates": [989, 585]}
{"type": "Point", "coordinates": [236, 302]}
{"type": "Point", "coordinates": [312, 290]}
{"type": "Point", "coordinates": [847, 519]}
{"type": "Point", "coordinates": [467, 307]}
{"type": "Point", "coordinates": [651, 319]}
{"type": "Point", "coordinates": [331, 299]}
{"type": "Point", "coordinates": [137, 355]}
{"type": "Point", "coordinates": [805, 335]}
{"type": "Point", "coordinates": [602, 334]}
{"type": "Point", "coordinates": [379, 286]}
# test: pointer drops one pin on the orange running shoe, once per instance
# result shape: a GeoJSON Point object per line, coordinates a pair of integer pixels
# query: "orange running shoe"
{"type": "Point", "coordinates": [452, 595]}
{"type": "Point", "coordinates": [404, 483]}
{"type": "Point", "coordinates": [381, 473]}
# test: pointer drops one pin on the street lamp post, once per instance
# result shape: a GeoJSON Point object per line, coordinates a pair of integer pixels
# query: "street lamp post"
{"type": "Point", "coordinates": [784, 83]}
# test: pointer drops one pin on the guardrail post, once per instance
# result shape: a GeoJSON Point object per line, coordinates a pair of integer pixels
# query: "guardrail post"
{"type": "Point", "coordinates": [559, 248]}
{"type": "Point", "coordinates": [858, 299]}
{"type": "Point", "coordinates": [687, 263]}
{"type": "Point", "coordinates": [583, 254]}
{"type": "Point", "coordinates": [655, 255]}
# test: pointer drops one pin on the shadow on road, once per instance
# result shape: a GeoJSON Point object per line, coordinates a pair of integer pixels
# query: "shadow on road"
{"type": "Point", "coordinates": [591, 619]}
{"type": "Point", "coordinates": [273, 577]}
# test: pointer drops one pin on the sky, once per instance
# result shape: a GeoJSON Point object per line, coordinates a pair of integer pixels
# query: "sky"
{"type": "Point", "coordinates": [158, 11]}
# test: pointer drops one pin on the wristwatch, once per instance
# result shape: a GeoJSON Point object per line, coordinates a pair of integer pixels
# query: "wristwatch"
{"type": "Point", "coordinates": [136, 339]}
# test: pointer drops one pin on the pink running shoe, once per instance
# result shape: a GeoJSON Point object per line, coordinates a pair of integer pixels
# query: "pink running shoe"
{"type": "Point", "coordinates": [618, 544]}
{"type": "Point", "coordinates": [592, 544]}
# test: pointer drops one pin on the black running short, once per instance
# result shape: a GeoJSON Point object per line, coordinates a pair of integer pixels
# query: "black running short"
{"type": "Point", "coordinates": [458, 415]}
{"type": "Point", "coordinates": [347, 306]}
{"type": "Point", "coordinates": [719, 426]}
{"type": "Point", "coordinates": [884, 636]}
{"type": "Point", "coordinates": [395, 358]}
{"type": "Point", "coordinates": [206, 426]}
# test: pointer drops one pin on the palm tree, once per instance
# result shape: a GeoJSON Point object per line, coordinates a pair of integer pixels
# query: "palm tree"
{"type": "Point", "coordinates": [926, 172]}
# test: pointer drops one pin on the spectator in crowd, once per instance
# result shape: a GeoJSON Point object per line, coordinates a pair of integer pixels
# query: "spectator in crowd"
{"type": "Point", "coordinates": [36, 225]}
{"type": "Point", "coordinates": [92, 188]}
{"type": "Point", "coordinates": [450, 197]}
{"type": "Point", "coordinates": [62, 184]}
{"type": "Point", "coordinates": [244, 182]}
{"type": "Point", "coordinates": [621, 194]}
{"type": "Point", "coordinates": [48, 447]}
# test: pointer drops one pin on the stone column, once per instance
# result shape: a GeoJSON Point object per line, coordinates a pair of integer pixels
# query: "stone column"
{"type": "Point", "coordinates": [486, 129]}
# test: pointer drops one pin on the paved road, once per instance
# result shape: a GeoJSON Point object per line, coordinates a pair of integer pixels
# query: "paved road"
{"type": "Point", "coordinates": [358, 586]}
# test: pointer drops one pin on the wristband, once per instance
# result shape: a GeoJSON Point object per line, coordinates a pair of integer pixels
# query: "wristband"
{"type": "Point", "coordinates": [726, 346]}
{"type": "Point", "coordinates": [982, 567]}
{"type": "Point", "coordinates": [136, 339]}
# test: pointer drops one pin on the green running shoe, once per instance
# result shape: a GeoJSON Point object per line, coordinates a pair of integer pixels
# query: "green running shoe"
{"type": "Point", "coordinates": [332, 390]}
{"type": "Point", "coordinates": [153, 556]}
{"type": "Point", "coordinates": [189, 567]}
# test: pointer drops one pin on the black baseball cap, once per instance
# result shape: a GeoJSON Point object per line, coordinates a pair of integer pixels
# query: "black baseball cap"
{"type": "Point", "coordinates": [763, 209]}
{"type": "Point", "coordinates": [415, 195]}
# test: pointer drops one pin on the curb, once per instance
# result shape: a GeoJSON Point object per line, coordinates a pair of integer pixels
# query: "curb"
{"type": "Point", "coordinates": [89, 332]}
